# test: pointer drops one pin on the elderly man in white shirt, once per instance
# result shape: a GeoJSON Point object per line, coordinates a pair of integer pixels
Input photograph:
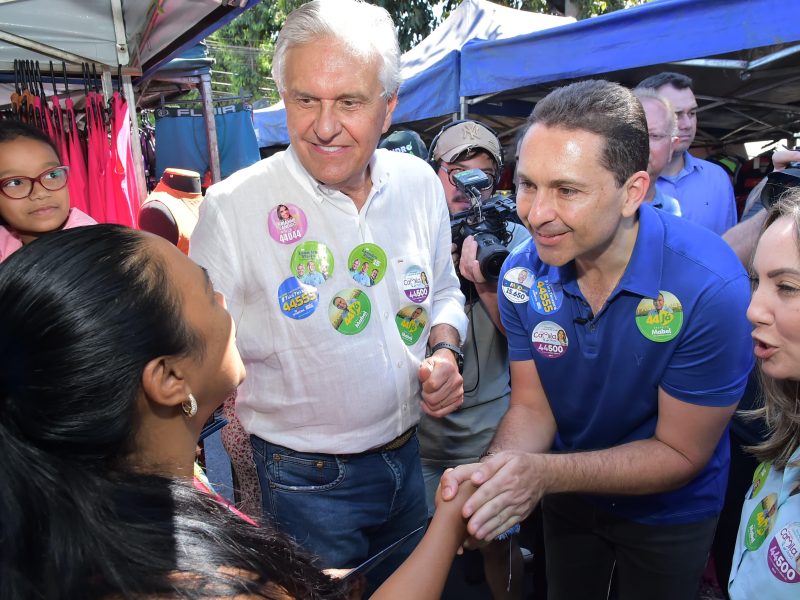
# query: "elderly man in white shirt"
{"type": "Point", "coordinates": [333, 395]}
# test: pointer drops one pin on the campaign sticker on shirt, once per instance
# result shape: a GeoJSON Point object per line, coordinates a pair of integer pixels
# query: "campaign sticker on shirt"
{"type": "Point", "coordinates": [349, 311]}
{"type": "Point", "coordinates": [312, 263]}
{"type": "Point", "coordinates": [296, 299]}
{"type": "Point", "coordinates": [783, 555]}
{"type": "Point", "coordinates": [760, 478]}
{"type": "Point", "coordinates": [517, 285]}
{"type": "Point", "coordinates": [760, 522]}
{"type": "Point", "coordinates": [367, 264]}
{"type": "Point", "coordinates": [546, 297]}
{"type": "Point", "coordinates": [415, 284]}
{"type": "Point", "coordinates": [550, 339]}
{"type": "Point", "coordinates": [287, 223]}
{"type": "Point", "coordinates": [411, 321]}
{"type": "Point", "coordinates": [660, 318]}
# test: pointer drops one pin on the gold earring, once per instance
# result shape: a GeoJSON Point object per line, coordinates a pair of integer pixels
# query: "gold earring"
{"type": "Point", "coordinates": [189, 406]}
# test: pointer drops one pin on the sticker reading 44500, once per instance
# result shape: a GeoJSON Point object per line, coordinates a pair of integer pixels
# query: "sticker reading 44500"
{"type": "Point", "coordinates": [297, 300]}
{"type": "Point", "coordinates": [550, 339]}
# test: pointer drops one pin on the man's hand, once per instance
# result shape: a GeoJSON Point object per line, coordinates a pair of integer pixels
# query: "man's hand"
{"type": "Point", "coordinates": [468, 264]}
{"type": "Point", "coordinates": [510, 486]}
{"type": "Point", "coordinates": [442, 385]}
{"type": "Point", "coordinates": [782, 158]}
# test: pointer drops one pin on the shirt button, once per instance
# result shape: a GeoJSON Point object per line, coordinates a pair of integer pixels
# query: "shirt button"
{"type": "Point", "coordinates": [386, 315]}
{"type": "Point", "coordinates": [399, 364]}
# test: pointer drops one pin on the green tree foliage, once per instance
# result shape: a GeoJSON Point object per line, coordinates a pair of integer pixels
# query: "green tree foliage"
{"type": "Point", "coordinates": [243, 48]}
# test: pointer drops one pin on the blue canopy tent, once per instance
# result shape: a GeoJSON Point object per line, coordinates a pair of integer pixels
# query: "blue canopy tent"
{"type": "Point", "coordinates": [431, 70]}
{"type": "Point", "coordinates": [741, 54]}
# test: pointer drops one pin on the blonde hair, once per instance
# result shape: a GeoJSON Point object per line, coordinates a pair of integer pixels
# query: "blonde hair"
{"type": "Point", "coordinates": [781, 408]}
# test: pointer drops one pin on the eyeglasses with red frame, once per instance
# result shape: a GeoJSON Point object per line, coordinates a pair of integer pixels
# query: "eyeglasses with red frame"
{"type": "Point", "coordinates": [19, 187]}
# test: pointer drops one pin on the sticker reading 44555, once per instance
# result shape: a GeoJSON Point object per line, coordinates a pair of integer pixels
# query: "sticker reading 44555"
{"type": "Point", "coordinates": [297, 300]}
{"type": "Point", "coordinates": [550, 339]}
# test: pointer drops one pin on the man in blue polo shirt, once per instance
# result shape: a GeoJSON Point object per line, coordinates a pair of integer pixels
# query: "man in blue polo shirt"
{"type": "Point", "coordinates": [703, 189]}
{"type": "Point", "coordinates": [618, 410]}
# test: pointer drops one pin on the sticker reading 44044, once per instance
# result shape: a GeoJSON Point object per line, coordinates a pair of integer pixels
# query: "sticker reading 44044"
{"type": "Point", "coordinates": [546, 297]}
{"type": "Point", "coordinates": [550, 339]}
{"type": "Point", "coordinates": [349, 311]}
{"type": "Point", "coordinates": [660, 318]}
{"type": "Point", "coordinates": [287, 223]}
{"type": "Point", "coordinates": [517, 285]}
{"type": "Point", "coordinates": [297, 300]}
{"type": "Point", "coordinates": [411, 321]}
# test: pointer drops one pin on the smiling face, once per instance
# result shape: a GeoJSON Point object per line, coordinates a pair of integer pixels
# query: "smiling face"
{"type": "Point", "coordinates": [42, 211]}
{"type": "Point", "coordinates": [567, 199]}
{"type": "Point", "coordinates": [335, 113]}
{"type": "Point", "coordinates": [774, 308]}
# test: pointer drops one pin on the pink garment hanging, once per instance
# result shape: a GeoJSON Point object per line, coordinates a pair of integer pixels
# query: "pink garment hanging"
{"type": "Point", "coordinates": [96, 162]}
{"type": "Point", "coordinates": [77, 171]}
{"type": "Point", "coordinates": [123, 171]}
{"type": "Point", "coordinates": [78, 174]}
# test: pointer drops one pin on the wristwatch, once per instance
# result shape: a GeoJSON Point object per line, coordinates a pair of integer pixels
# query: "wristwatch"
{"type": "Point", "coordinates": [455, 350]}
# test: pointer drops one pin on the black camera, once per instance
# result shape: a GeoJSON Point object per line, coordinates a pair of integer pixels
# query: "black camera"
{"type": "Point", "coordinates": [778, 182]}
{"type": "Point", "coordinates": [486, 221]}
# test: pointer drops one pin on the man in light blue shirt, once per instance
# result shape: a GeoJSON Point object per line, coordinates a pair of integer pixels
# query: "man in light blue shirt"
{"type": "Point", "coordinates": [703, 189]}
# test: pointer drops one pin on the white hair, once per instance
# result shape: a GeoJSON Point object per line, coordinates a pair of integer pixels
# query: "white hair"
{"type": "Point", "coordinates": [643, 93]}
{"type": "Point", "coordinates": [364, 29]}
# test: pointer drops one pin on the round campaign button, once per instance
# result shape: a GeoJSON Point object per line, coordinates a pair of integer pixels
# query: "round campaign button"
{"type": "Point", "coordinates": [349, 311]}
{"type": "Point", "coordinates": [660, 319]}
{"type": "Point", "coordinates": [411, 321]}
{"type": "Point", "coordinates": [546, 297]}
{"type": "Point", "coordinates": [367, 264]}
{"type": "Point", "coordinates": [550, 339]}
{"type": "Point", "coordinates": [784, 552]}
{"type": "Point", "coordinates": [415, 284]}
{"type": "Point", "coordinates": [760, 477]}
{"type": "Point", "coordinates": [517, 285]}
{"type": "Point", "coordinates": [296, 299]}
{"type": "Point", "coordinates": [287, 223]}
{"type": "Point", "coordinates": [760, 522]}
{"type": "Point", "coordinates": [312, 263]}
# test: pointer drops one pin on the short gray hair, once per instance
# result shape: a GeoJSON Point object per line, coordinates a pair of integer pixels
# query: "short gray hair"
{"type": "Point", "coordinates": [366, 30]}
{"type": "Point", "coordinates": [643, 93]}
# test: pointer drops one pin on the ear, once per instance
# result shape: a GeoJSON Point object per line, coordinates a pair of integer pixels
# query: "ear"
{"type": "Point", "coordinates": [163, 381]}
{"type": "Point", "coordinates": [390, 106]}
{"type": "Point", "coordinates": [635, 190]}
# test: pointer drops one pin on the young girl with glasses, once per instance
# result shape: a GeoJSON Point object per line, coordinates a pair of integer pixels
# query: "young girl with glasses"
{"type": "Point", "coordinates": [34, 198]}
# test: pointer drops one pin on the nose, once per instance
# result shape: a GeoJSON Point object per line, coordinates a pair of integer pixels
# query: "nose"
{"type": "Point", "coordinates": [758, 312]}
{"type": "Point", "coordinates": [220, 298]}
{"type": "Point", "coordinates": [327, 125]}
{"type": "Point", "coordinates": [38, 191]}
{"type": "Point", "coordinates": [541, 208]}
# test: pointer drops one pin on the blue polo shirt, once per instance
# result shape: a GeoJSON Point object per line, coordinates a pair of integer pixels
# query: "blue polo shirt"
{"type": "Point", "coordinates": [704, 192]}
{"type": "Point", "coordinates": [601, 373]}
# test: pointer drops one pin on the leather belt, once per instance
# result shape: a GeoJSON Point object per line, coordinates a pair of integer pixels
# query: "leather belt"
{"type": "Point", "coordinates": [397, 443]}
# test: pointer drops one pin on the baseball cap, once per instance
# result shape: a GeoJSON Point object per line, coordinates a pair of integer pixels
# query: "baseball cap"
{"type": "Point", "coordinates": [405, 140]}
{"type": "Point", "coordinates": [465, 135]}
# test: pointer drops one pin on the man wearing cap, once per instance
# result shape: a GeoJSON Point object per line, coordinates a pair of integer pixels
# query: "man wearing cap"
{"type": "Point", "coordinates": [702, 188]}
{"type": "Point", "coordinates": [462, 436]}
{"type": "Point", "coordinates": [338, 463]}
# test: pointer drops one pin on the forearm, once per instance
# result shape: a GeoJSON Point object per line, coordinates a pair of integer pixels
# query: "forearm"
{"type": "Point", "coordinates": [487, 295]}
{"type": "Point", "coordinates": [744, 236]}
{"type": "Point", "coordinates": [637, 468]}
{"type": "Point", "coordinates": [443, 333]}
{"type": "Point", "coordinates": [524, 428]}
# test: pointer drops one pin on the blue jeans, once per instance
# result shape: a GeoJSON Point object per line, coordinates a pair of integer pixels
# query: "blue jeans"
{"type": "Point", "coordinates": [344, 508]}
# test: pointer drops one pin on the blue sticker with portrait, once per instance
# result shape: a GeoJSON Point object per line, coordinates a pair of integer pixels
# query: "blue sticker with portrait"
{"type": "Point", "coordinates": [546, 297]}
{"type": "Point", "coordinates": [296, 299]}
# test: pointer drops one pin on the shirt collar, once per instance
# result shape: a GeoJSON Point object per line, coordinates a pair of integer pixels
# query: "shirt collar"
{"type": "Point", "coordinates": [642, 276]}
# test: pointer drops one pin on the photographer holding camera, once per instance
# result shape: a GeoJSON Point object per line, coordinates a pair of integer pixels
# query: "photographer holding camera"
{"type": "Point", "coordinates": [462, 436]}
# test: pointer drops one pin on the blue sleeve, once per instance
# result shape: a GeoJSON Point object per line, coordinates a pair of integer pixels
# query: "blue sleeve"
{"type": "Point", "coordinates": [511, 315]}
{"type": "Point", "coordinates": [714, 358]}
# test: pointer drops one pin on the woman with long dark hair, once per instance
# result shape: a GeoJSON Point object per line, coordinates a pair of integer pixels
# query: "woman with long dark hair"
{"type": "Point", "coordinates": [114, 350]}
